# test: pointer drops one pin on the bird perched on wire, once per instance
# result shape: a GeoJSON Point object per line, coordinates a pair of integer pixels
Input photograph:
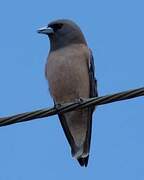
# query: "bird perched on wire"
{"type": "Point", "coordinates": [70, 74]}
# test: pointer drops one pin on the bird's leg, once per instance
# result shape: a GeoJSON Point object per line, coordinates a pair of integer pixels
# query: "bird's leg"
{"type": "Point", "coordinates": [80, 100]}
{"type": "Point", "coordinates": [57, 106]}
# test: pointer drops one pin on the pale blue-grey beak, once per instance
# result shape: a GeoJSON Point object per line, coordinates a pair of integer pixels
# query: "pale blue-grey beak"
{"type": "Point", "coordinates": [45, 30]}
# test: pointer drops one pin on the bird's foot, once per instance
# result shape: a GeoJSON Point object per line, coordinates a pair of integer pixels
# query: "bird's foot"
{"type": "Point", "coordinates": [57, 106]}
{"type": "Point", "coordinates": [80, 100]}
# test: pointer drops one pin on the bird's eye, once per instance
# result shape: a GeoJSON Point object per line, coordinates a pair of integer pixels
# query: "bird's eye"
{"type": "Point", "coordinates": [56, 26]}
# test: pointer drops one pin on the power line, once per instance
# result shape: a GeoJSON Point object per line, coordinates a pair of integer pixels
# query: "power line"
{"type": "Point", "coordinates": [71, 106]}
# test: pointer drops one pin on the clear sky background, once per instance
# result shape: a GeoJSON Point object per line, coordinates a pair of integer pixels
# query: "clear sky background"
{"type": "Point", "coordinates": [38, 149]}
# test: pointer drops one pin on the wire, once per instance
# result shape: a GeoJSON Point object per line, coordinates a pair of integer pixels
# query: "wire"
{"type": "Point", "coordinates": [82, 103]}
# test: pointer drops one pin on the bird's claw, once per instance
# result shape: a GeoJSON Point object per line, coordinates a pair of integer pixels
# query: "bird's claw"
{"type": "Point", "coordinates": [57, 106]}
{"type": "Point", "coordinates": [80, 100]}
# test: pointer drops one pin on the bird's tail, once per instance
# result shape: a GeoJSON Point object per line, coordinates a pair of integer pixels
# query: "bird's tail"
{"type": "Point", "coordinates": [78, 133]}
{"type": "Point", "coordinates": [81, 156]}
{"type": "Point", "coordinates": [83, 161]}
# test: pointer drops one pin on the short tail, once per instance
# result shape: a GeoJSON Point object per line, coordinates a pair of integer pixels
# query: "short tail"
{"type": "Point", "coordinates": [81, 156]}
{"type": "Point", "coordinates": [83, 161]}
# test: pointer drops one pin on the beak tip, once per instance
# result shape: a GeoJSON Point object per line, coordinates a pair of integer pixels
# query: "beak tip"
{"type": "Point", "coordinates": [38, 31]}
{"type": "Point", "coordinates": [45, 30]}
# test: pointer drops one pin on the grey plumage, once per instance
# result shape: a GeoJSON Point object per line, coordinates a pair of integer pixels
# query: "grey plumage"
{"type": "Point", "coordinates": [70, 73]}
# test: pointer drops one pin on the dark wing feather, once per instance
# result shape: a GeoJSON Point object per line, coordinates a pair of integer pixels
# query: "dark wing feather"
{"type": "Point", "coordinates": [93, 81]}
{"type": "Point", "coordinates": [93, 93]}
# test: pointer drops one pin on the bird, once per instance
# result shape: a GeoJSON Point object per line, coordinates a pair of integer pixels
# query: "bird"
{"type": "Point", "coordinates": [70, 73]}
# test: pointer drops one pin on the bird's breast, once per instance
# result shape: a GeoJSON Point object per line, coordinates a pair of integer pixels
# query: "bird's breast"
{"type": "Point", "coordinates": [67, 74]}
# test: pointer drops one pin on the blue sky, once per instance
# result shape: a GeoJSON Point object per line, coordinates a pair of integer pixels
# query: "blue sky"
{"type": "Point", "coordinates": [38, 149]}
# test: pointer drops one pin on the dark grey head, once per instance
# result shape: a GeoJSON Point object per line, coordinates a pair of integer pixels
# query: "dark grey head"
{"type": "Point", "coordinates": [63, 33]}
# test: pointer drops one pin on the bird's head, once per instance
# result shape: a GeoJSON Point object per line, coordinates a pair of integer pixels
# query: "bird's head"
{"type": "Point", "coordinates": [63, 33]}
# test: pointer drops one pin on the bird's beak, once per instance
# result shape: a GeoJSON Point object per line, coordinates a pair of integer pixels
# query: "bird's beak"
{"type": "Point", "coordinates": [45, 30]}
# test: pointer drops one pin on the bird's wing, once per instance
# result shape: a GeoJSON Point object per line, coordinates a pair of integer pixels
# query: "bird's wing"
{"type": "Point", "coordinates": [93, 81]}
{"type": "Point", "coordinates": [83, 160]}
{"type": "Point", "coordinates": [93, 93]}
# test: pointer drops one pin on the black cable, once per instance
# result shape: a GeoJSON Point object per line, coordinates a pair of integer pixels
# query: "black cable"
{"type": "Point", "coordinates": [72, 106]}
